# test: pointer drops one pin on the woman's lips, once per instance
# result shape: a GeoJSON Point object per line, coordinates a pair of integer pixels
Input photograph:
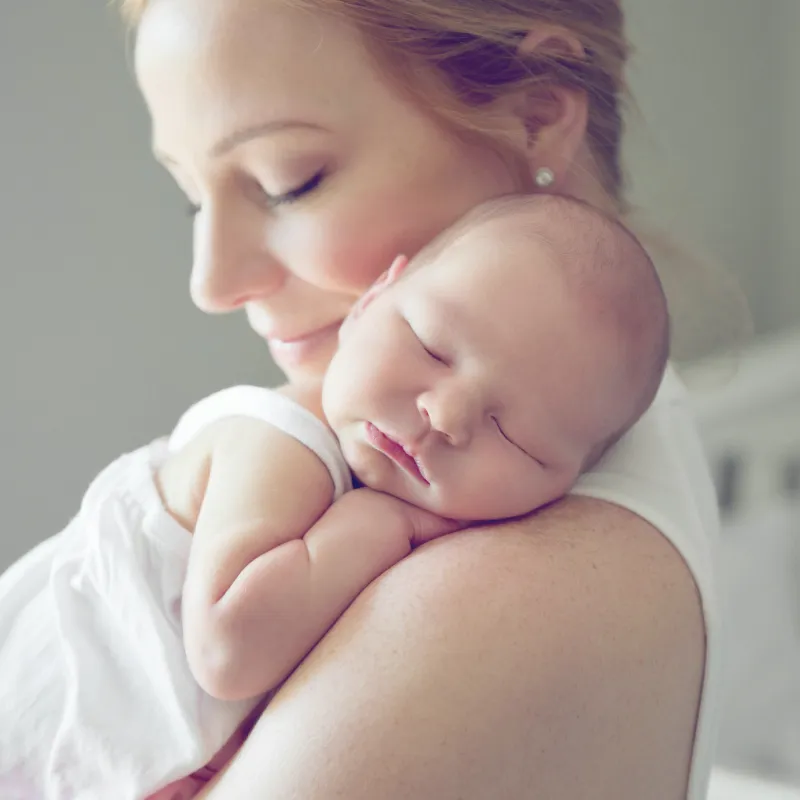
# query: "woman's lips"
{"type": "Point", "coordinates": [396, 452]}
{"type": "Point", "coordinates": [298, 349]}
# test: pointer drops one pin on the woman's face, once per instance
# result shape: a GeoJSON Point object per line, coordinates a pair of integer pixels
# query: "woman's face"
{"type": "Point", "coordinates": [309, 171]}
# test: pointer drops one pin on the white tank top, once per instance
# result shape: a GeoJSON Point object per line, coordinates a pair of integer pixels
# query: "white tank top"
{"type": "Point", "coordinates": [659, 471]}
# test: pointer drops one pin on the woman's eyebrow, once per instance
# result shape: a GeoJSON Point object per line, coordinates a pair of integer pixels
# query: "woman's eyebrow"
{"type": "Point", "coordinates": [232, 140]}
{"type": "Point", "coordinates": [256, 131]}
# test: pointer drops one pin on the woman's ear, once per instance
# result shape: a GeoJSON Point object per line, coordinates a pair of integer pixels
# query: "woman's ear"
{"type": "Point", "coordinates": [553, 117]}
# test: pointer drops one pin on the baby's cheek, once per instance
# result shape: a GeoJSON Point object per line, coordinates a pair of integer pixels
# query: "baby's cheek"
{"type": "Point", "coordinates": [562, 480]}
{"type": "Point", "coordinates": [522, 486]}
{"type": "Point", "coordinates": [337, 388]}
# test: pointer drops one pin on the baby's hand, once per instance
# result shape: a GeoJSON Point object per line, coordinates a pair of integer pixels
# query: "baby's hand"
{"type": "Point", "coordinates": [426, 526]}
{"type": "Point", "coordinates": [415, 525]}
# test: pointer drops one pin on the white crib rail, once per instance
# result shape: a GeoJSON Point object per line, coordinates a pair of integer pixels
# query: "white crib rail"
{"type": "Point", "coordinates": [727, 785]}
{"type": "Point", "coordinates": [748, 410]}
{"type": "Point", "coordinates": [750, 423]}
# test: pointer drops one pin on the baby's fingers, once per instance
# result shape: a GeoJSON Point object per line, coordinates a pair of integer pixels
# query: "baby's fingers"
{"type": "Point", "coordinates": [427, 526]}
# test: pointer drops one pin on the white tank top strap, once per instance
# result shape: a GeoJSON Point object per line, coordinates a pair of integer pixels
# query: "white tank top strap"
{"type": "Point", "coordinates": [276, 409]}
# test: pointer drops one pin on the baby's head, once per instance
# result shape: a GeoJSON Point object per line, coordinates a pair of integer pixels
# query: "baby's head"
{"type": "Point", "coordinates": [482, 378]}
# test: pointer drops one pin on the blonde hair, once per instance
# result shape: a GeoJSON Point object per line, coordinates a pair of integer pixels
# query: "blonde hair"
{"type": "Point", "coordinates": [472, 51]}
{"type": "Point", "coordinates": [458, 56]}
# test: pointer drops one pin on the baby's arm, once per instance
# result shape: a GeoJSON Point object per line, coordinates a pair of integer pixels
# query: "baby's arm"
{"type": "Point", "coordinates": [272, 566]}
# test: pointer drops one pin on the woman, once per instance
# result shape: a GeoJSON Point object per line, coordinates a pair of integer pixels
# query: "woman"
{"type": "Point", "coordinates": [560, 656]}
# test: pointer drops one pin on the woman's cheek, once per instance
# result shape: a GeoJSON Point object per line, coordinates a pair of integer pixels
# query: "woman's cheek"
{"type": "Point", "coordinates": [338, 253]}
{"type": "Point", "coordinates": [356, 242]}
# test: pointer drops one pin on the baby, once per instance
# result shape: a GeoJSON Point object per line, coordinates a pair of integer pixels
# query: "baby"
{"type": "Point", "coordinates": [481, 380]}
{"type": "Point", "coordinates": [476, 382]}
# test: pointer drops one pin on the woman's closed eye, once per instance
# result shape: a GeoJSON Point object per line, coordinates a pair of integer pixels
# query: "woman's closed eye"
{"type": "Point", "coordinates": [275, 200]}
{"type": "Point", "coordinates": [293, 195]}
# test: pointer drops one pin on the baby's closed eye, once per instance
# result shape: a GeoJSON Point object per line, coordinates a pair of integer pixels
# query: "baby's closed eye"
{"type": "Point", "coordinates": [514, 443]}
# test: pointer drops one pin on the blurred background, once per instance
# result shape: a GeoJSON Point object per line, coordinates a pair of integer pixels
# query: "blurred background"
{"type": "Point", "coordinates": [101, 349]}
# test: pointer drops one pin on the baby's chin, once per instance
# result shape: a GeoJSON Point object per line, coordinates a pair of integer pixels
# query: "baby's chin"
{"type": "Point", "coordinates": [438, 499]}
{"type": "Point", "coordinates": [486, 509]}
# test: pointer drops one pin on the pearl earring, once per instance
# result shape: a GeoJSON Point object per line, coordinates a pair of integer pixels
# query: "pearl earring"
{"type": "Point", "coordinates": [545, 178]}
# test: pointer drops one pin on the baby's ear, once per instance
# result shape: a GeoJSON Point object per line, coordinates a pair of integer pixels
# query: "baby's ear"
{"type": "Point", "coordinates": [384, 282]}
{"type": "Point", "coordinates": [395, 271]}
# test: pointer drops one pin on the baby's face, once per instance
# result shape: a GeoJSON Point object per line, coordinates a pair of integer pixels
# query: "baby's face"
{"type": "Point", "coordinates": [469, 386]}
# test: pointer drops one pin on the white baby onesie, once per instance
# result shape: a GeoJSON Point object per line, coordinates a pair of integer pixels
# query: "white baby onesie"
{"type": "Point", "coordinates": [96, 697]}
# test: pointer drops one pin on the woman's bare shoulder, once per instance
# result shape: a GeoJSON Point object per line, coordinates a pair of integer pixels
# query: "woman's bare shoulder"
{"type": "Point", "coordinates": [560, 656]}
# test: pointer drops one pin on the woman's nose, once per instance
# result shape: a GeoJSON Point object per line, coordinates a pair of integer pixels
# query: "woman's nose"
{"type": "Point", "coordinates": [231, 266]}
{"type": "Point", "coordinates": [451, 409]}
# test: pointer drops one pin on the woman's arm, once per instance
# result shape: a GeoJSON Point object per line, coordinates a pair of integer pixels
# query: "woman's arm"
{"type": "Point", "coordinates": [559, 658]}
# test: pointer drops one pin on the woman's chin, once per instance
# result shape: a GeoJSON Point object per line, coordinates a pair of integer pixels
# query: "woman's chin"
{"type": "Point", "coordinates": [310, 372]}
{"type": "Point", "coordinates": [306, 362]}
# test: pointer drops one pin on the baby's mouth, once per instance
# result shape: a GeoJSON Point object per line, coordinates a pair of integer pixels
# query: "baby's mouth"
{"type": "Point", "coordinates": [396, 452]}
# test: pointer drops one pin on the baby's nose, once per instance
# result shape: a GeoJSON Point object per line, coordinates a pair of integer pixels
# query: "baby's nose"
{"type": "Point", "coordinates": [450, 411]}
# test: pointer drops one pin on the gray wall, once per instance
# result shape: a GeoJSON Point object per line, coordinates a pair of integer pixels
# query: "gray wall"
{"type": "Point", "coordinates": [703, 78]}
{"type": "Point", "coordinates": [785, 297]}
{"type": "Point", "coordinates": [100, 348]}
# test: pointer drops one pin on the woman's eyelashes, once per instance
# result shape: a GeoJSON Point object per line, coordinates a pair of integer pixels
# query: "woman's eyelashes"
{"type": "Point", "coordinates": [293, 195]}
{"type": "Point", "coordinates": [274, 200]}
